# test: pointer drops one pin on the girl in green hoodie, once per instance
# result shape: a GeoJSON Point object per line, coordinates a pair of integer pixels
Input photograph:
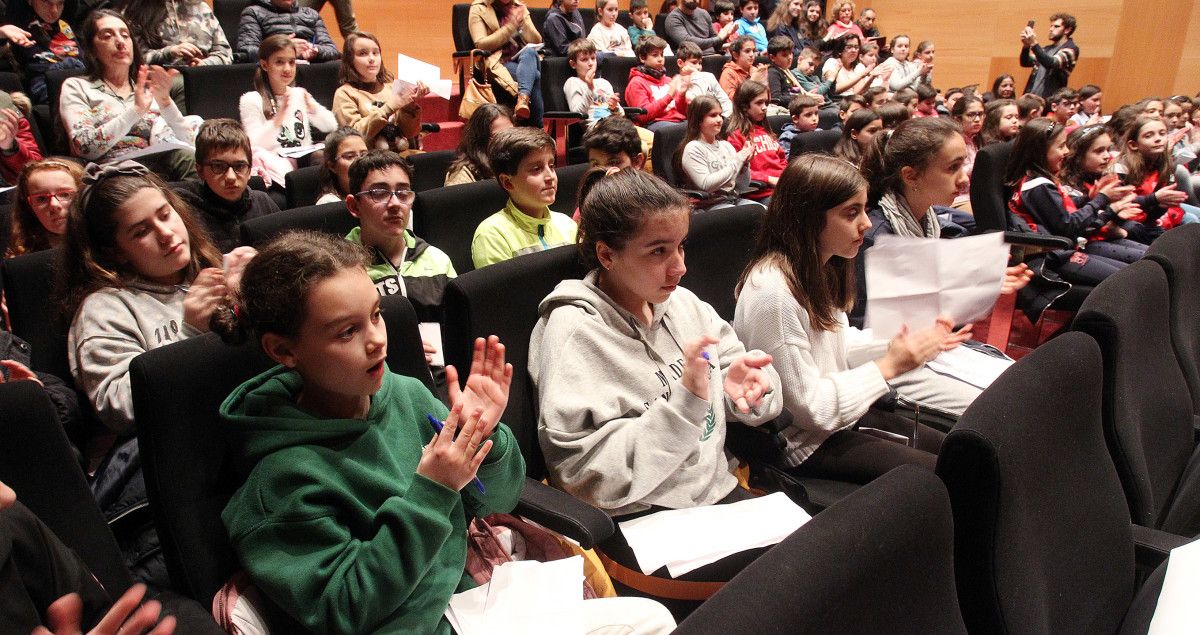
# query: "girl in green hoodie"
{"type": "Point", "coordinates": [353, 518]}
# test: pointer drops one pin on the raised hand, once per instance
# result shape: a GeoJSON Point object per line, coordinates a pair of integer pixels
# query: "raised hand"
{"type": "Point", "coordinates": [159, 81]}
{"type": "Point", "coordinates": [205, 294]}
{"type": "Point", "coordinates": [696, 368]}
{"type": "Point", "coordinates": [124, 618]}
{"type": "Point", "coordinates": [908, 350]}
{"type": "Point", "coordinates": [1110, 186]}
{"type": "Point", "coordinates": [1170, 195]}
{"type": "Point", "coordinates": [10, 123]}
{"type": "Point", "coordinates": [487, 384]}
{"type": "Point", "coordinates": [953, 337]}
{"type": "Point", "coordinates": [235, 264]}
{"type": "Point", "coordinates": [746, 382]}
{"type": "Point", "coordinates": [141, 90]}
{"type": "Point", "coordinates": [452, 461]}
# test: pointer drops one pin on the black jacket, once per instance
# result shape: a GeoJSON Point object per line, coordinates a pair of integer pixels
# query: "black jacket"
{"type": "Point", "coordinates": [221, 218]}
{"type": "Point", "coordinates": [262, 19]}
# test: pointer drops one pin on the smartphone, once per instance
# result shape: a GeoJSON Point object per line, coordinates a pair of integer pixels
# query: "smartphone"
{"type": "Point", "coordinates": [1031, 23]}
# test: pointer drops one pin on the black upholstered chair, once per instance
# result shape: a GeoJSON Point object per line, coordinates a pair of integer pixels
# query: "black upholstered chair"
{"type": "Point", "coordinates": [502, 300]}
{"type": "Point", "coordinates": [229, 15]}
{"type": "Point", "coordinates": [320, 80]}
{"type": "Point", "coordinates": [1147, 407]}
{"type": "Point", "coordinates": [56, 135]}
{"type": "Point", "coordinates": [1042, 538]}
{"type": "Point", "coordinates": [331, 218]}
{"type": "Point", "coordinates": [429, 169]}
{"type": "Point", "coordinates": [1177, 253]}
{"type": "Point", "coordinates": [213, 91]}
{"type": "Point", "coordinates": [893, 573]}
{"type": "Point", "coordinates": [447, 217]}
{"type": "Point", "coordinates": [28, 285]}
{"type": "Point", "coordinates": [302, 186]}
{"type": "Point", "coordinates": [815, 141]}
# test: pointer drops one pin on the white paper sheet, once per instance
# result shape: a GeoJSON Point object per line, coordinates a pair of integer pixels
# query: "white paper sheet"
{"type": "Point", "coordinates": [523, 597]}
{"type": "Point", "coordinates": [301, 151]}
{"type": "Point", "coordinates": [5, 189]}
{"type": "Point", "coordinates": [672, 538]}
{"type": "Point", "coordinates": [155, 148]}
{"type": "Point", "coordinates": [1177, 611]}
{"type": "Point", "coordinates": [410, 70]}
{"type": "Point", "coordinates": [914, 280]}
{"type": "Point", "coordinates": [432, 332]}
{"type": "Point", "coordinates": [970, 366]}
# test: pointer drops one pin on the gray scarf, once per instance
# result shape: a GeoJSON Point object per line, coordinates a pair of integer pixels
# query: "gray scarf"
{"type": "Point", "coordinates": [904, 223]}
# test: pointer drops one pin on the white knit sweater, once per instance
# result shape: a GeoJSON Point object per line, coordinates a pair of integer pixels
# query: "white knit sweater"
{"type": "Point", "coordinates": [827, 378]}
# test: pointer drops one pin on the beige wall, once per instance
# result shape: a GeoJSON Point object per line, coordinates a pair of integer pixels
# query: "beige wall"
{"type": "Point", "coordinates": [1130, 47]}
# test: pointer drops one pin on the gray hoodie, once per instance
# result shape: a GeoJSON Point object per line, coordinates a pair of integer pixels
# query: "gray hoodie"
{"type": "Point", "coordinates": [617, 427]}
{"type": "Point", "coordinates": [112, 327]}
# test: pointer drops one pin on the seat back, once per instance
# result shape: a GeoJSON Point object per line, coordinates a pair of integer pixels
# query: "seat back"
{"type": "Point", "coordinates": [660, 28]}
{"type": "Point", "coordinates": [821, 141]}
{"type": "Point", "coordinates": [37, 461]}
{"type": "Point", "coordinates": [330, 218]}
{"type": "Point", "coordinates": [213, 91]}
{"type": "Point", "coordinates": [1175, 251]}
{"type": "Point", "coordinates": [10, 82]}
{"type": "Point", "coordinates": [191, 470]}
{"type": "Point", "coordinates": [320, 80]}
{"type": "Point", "coordinates": [719, 245]}
{"type": "Point", "coordinates": [28, 286]}
{"type": "Point", "coordinates": [565, 200]}
{"type": "Point", "coordinates": [989, 195]}
{"type": "Point", "coordinates": [302, 186]}
{"type": "Point", "coordinates": [503, 300]}
{"type": "Point", "coordinates": [429, 169]}
{"type": "Point", "coordinates": [662, 155]}
{"type": "Point", "coordinates": [713, 64]}
{"type": "Point", "coordinates": [57, 135]}
{"type": "Point", "coordinates": [555, 72]}
{"type": "Point", "coordinates": [459, 14]}
{"type": "Point", "coordinates": [1024, 475]}
{"type": "Point", "coordinates": [1147, 407]}
{"type": "Point", "coordinates": [229, 15]}
{"type": "Point", "coordinates": [447, 217]}
{"type": "Point", "coordinates": [894, 573]}
{"type": "Point", "coordinates": [616, 71]}
{"type": "Point", "coordinates": [776, 123]}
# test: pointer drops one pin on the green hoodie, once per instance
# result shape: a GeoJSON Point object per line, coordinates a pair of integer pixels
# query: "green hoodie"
{"type": "Point", "coordinates": [334, 524]}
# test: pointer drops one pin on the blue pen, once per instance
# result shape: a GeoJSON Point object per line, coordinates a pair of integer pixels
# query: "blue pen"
{"type": "Point", "coordinates": [437, 426]}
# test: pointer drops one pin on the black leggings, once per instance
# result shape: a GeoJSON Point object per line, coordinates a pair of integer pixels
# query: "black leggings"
{"type": "Point", "coordinates": [859, 457]}
{"type": "Point", "coordinates": [1099, 260]}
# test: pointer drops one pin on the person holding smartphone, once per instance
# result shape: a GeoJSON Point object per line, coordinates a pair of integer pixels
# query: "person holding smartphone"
{"type": "Point", "coordinates": [1052, 65]}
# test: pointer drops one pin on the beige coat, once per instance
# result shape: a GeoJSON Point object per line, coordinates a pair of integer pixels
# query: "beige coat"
{"type": "Point", "coordinates": [356, 108]}
{"type": "Point", "coordinates": [487, 34]}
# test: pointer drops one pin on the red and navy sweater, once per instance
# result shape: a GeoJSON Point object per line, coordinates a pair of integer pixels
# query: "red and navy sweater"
{"type": "Point", "coordinates": [769, 159]}
{"type": "Point", "coordinates": [1046, 208]}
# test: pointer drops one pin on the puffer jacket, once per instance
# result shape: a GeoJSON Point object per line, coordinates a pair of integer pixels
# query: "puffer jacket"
{"type": "Point", "coordinates": [262, 19]}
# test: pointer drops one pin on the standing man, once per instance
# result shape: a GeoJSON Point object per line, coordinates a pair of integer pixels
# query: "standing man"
{"type": "Point", "coordinates": [689, 23]}
{"type": "Point", "coordinates": [1051, 65]}
{"type": "Point", "coordinates": [342, 9]}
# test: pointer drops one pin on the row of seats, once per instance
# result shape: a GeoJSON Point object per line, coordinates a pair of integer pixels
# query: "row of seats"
{"type": "Point", "coordinates": [1037, 497]}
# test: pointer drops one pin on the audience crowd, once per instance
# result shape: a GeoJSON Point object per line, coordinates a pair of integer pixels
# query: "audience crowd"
{"type": "Point", "coordinates": [635, 377]}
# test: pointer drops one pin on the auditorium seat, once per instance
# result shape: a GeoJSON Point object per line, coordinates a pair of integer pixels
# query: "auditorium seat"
{"type": "Point", "coordinates": [879, 561]}
{"type": "Point", "coordinates": [302, 186]}
{"type": "Point", "coordinates": [213, 92]}
{"type": "Point", "coordinates": [1176, 252]}
{"type": "Point", "coordinates": [330, 218]}
{"type": "Point", "coordinates": [446, 217]}
{"type": "Point", "coordinates": [1147, 407]}
{"type": "Point", "coordinates": [1042, 538]}
{"type": "Point", "coordinates": [429, 169]}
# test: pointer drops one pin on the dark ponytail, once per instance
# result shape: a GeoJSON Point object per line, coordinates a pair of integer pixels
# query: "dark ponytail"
{"type": "Point", "coordinates": [616, 203]}
{"type": "Point", "coordinates": [912, 144]}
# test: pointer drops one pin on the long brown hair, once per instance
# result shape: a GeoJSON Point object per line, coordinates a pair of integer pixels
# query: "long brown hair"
{"type": "Point", "coordinates": [616, 204]}
{"type": "Point", "coordinates": [90, 259]}
{"type": "Point", "coordinates": [814, 30]}
{"type": "Point", "coordinates": [270, 46]}
{"type": "Point", "coordinates": [912, 144]}
{"type": "Point", "coordinates": [790, 235]}
{"type": "Point", "coordinates": [1028, 158]}
{"type": "Point", "coordinates": [1137, 165]}
{"type": "Point", "coordinates": [87, 37]}
{"type": "Point", "coordinates": [348, 75]}
{"type": "Point", "coordinates": [28, 234]}
{"type": "Point", "coordinates": [782, 15]}
{"type": "Point", "coordinates": [992, 113]}
{"type": "Point", "coordinates": [1080, 141]}
{"type": "Point", "coordinates": [739, 120]}
{"type": "Point", "coordinates": [696, 112]}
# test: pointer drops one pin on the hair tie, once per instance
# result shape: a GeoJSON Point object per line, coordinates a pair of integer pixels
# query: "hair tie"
{"type": "Point", "coordinates": [611, 170]}
{"type": "Point", "coordinates": [96, 172]}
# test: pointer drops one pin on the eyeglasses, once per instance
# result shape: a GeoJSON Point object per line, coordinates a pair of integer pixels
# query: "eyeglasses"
{"type": "Point", "coordinates": [218, 168]}
{"type": "Point", "coordinates": [351, 156]}
{"type": "Point", "coordinates": [41, 200]}
{"type": "Point", "coordinates": [381, 196]}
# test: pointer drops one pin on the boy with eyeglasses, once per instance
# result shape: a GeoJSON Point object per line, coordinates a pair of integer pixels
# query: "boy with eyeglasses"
{"type": "Point", "coordinates": [381, 199]}
{"type": "Point", "coordinates": [222, 197]}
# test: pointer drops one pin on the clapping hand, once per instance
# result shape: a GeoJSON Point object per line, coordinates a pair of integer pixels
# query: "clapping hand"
{"type": "Point", "coordinates": [1015, 278]}
{"type": "Point", "coordinates": [487, 384]}
{"type": "Point", "coordinates": [124, 618]}
{"type": "Point", "coordinates": [746, 382]}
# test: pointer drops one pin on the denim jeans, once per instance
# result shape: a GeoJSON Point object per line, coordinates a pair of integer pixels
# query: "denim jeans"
{"type": "Point", "coordinates": [526, 69]}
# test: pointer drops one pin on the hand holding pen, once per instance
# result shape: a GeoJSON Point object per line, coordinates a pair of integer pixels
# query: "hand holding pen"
{"type": "Point", "coordinates": [453, 461]}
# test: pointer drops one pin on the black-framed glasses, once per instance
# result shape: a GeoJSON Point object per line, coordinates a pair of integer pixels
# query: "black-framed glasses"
{"type": "Point", "coordinates": [218, 168]}
{"type": "Point", "coordinates": [381, 195]}
{"type": "Point", "coordinates": [64, 197]}
{"type": "Point", "coordinates": [352, 155]}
